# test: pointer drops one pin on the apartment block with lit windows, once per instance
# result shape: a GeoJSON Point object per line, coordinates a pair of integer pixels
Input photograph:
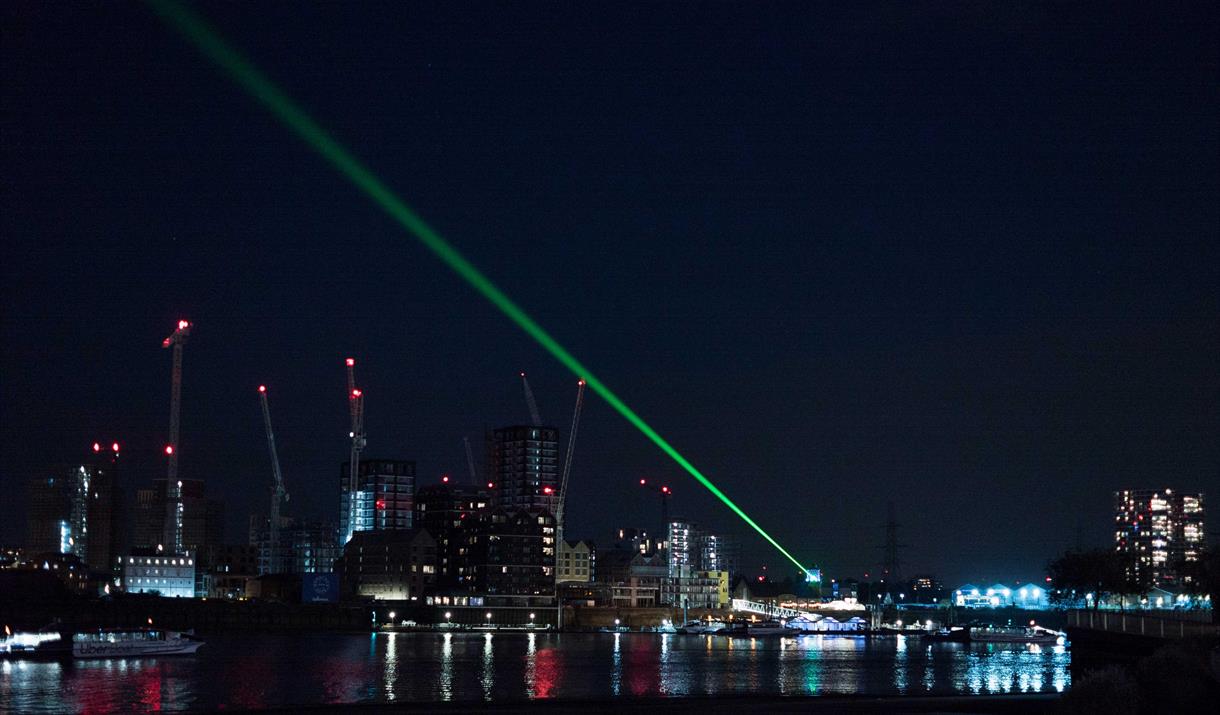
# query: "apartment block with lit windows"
{"type": "Point", "coordinates": [524, 467]}
{"type": "Point", "coordinates": [383, 496]}
{"type": "Point", "coordinates": [1161, 531]}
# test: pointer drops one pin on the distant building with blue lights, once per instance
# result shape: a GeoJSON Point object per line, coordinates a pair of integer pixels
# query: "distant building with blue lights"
{"type": "Point", "coordinates": [999, 595]}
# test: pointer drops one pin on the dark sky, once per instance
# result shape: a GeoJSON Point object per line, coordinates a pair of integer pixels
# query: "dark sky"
{"type": "Point", "coordinates": [961, 256]}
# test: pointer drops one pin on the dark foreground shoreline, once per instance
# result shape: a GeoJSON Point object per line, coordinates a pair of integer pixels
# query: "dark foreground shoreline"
{"type": "Point", "coordinates": [1006, 703]}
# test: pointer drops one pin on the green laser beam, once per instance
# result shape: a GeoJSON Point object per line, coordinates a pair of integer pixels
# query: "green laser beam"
{"type": "Point", "coordinates": [207, 41]}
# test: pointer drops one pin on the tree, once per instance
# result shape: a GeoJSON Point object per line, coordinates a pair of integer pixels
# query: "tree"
{"type": "Point", "coordinates": [1101, 572]}
{"type": "Point", "coordinates": [1202, 577]}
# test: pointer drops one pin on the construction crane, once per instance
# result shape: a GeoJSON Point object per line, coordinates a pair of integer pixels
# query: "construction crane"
{"type": "Point", "coordinates": [355, 401]}
{"type": "Point", "coordinates": [173, 487]}
{"type": "Point", "coordinates": [279, 495]}
{"type": "Point", "coordinates": [529, 400]}
{"type": "Point", "coordinates": [563, 488]}
{"type": "Point", "coordinates": [665, 493]}
{"type": "Point", "coordinates": [567, 459]}
{"type": "Point", "coordinates": [474, 475]}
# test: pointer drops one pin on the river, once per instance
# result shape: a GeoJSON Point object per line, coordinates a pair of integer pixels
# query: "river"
{"type": "Point", "coordinates": [244, 670]}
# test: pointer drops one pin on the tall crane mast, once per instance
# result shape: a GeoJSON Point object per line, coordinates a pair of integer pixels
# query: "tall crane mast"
{"type": "Point", "coordinates": [567, 458]}
{"type": "Point", "coordinates": [279, 495]}
{"type": "Point", "coordinates": [563, 492]}
{"type": "Point", "coordinates": [355, 401]}
{"type": "Point", "coordinates": [173, 487]}
{"type": "Point", "coordinates": [529, 400]}
{"type": "Point", "coordinates": [474, 475]}
{"type": "Point", "coordinates": [665, 493]}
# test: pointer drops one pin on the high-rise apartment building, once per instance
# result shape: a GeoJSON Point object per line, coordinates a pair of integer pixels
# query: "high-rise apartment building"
{"type": "Point", "coordinates": [202, 518]}
{"type": "Point", "coordinates": [443, 510]}
{"type": "Point", "coordinates": [524, 467]}
{"type": "Point", "coordinates": [384, 497]}
{"type": "Point", "coordinates": [304, 546]}
{"type": "Point", "coordinates": [692, 549]}
{"type": "Point", "coordinates": [510, 553]}
{"type": "Point", "coordinates": [48, 521]}
{"type": "Point", "coordinates": [683, 548]}
{"type": "Point", "coordinates": [718, 552]}
{"type": "Point", "coordinates": [1160, 531]}
{"type": "Point", "coordinates": [72, 511]}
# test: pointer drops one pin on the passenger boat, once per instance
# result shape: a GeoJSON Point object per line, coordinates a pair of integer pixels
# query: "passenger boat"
{"type": "Point", "coordinates": [38, 645]}
{"type": "Point", "coordinates": [120, 643]}
{"type": "Point", "coordinates": [1034, 634]}
{"type": "Point", "coordinates": [956, 634]}
{"type": "Point", "coordinates": [701, 627]}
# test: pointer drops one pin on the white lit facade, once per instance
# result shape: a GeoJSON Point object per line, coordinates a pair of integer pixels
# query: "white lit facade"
{"type": "Point", "coordinates": [171, 575]}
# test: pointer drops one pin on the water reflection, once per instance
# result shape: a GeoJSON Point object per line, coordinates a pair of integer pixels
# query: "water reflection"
{"type": "Point", "coordinates": [900, 663]}
{"type": "Point", "coordinates": [549, 672]}
{"type": "Point", "coordinates": [286, 671]}
{"type": "Point", "coordinates": [446, 675]}
{"type": "Point", "coordinates": [1003, 669]}
{"type": "Point", "coordinates": [489, 666]}
{"type": "Point", "coordinates": [616, 672]}
{"type": "Point", "coordinates": [531, 665]}
{"type": "Point", "coordinates": [390, 674]}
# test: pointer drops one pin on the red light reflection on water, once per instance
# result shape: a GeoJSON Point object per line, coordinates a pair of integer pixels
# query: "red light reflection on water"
{"type": "Point", "coordinates": [548, 670]}
{"type": "Point", "coordinates": [148, 685]}
{"type": "Point", "coordinates": [642, 667]}
{"type": "Point", "coordinates": [248, 678]}
{"type": "Point", "coordinates": [92, 679]}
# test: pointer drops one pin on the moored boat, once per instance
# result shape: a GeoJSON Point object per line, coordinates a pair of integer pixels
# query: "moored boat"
{"type": "Point", "coordinates": [760, 629]}
{"type": "Point", "coordinates": [139, 642]}
{"type": "Point", "coordinates": [701, 627]}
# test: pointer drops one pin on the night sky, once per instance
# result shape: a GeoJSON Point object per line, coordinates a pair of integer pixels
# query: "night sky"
{"type": "Point", "coordinates": [965, 257]}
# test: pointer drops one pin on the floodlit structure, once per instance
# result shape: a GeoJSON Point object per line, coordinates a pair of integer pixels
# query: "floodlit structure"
{"type": "Point", "coordinates": [153, 571]}
{"type": "Point", "coordinates": [999, 595]}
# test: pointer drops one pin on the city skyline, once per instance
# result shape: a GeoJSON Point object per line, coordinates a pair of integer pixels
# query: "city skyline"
{"type": "Point", "coordinates": [945, 292]}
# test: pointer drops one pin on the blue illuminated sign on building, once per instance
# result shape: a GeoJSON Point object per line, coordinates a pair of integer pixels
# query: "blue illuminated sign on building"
{"type": "Point", "coordinates": [319, 588]}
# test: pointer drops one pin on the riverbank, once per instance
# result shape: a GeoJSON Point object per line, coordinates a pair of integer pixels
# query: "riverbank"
{"type": "Point", "coordinates": [1008, 703]}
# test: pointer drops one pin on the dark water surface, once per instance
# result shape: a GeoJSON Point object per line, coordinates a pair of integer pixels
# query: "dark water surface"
{"type": "Point", "coordinates": [262, 670]}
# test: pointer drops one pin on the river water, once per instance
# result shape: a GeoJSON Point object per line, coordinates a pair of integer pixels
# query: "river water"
{"type": "Point", "coordinates": [268, 670]}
